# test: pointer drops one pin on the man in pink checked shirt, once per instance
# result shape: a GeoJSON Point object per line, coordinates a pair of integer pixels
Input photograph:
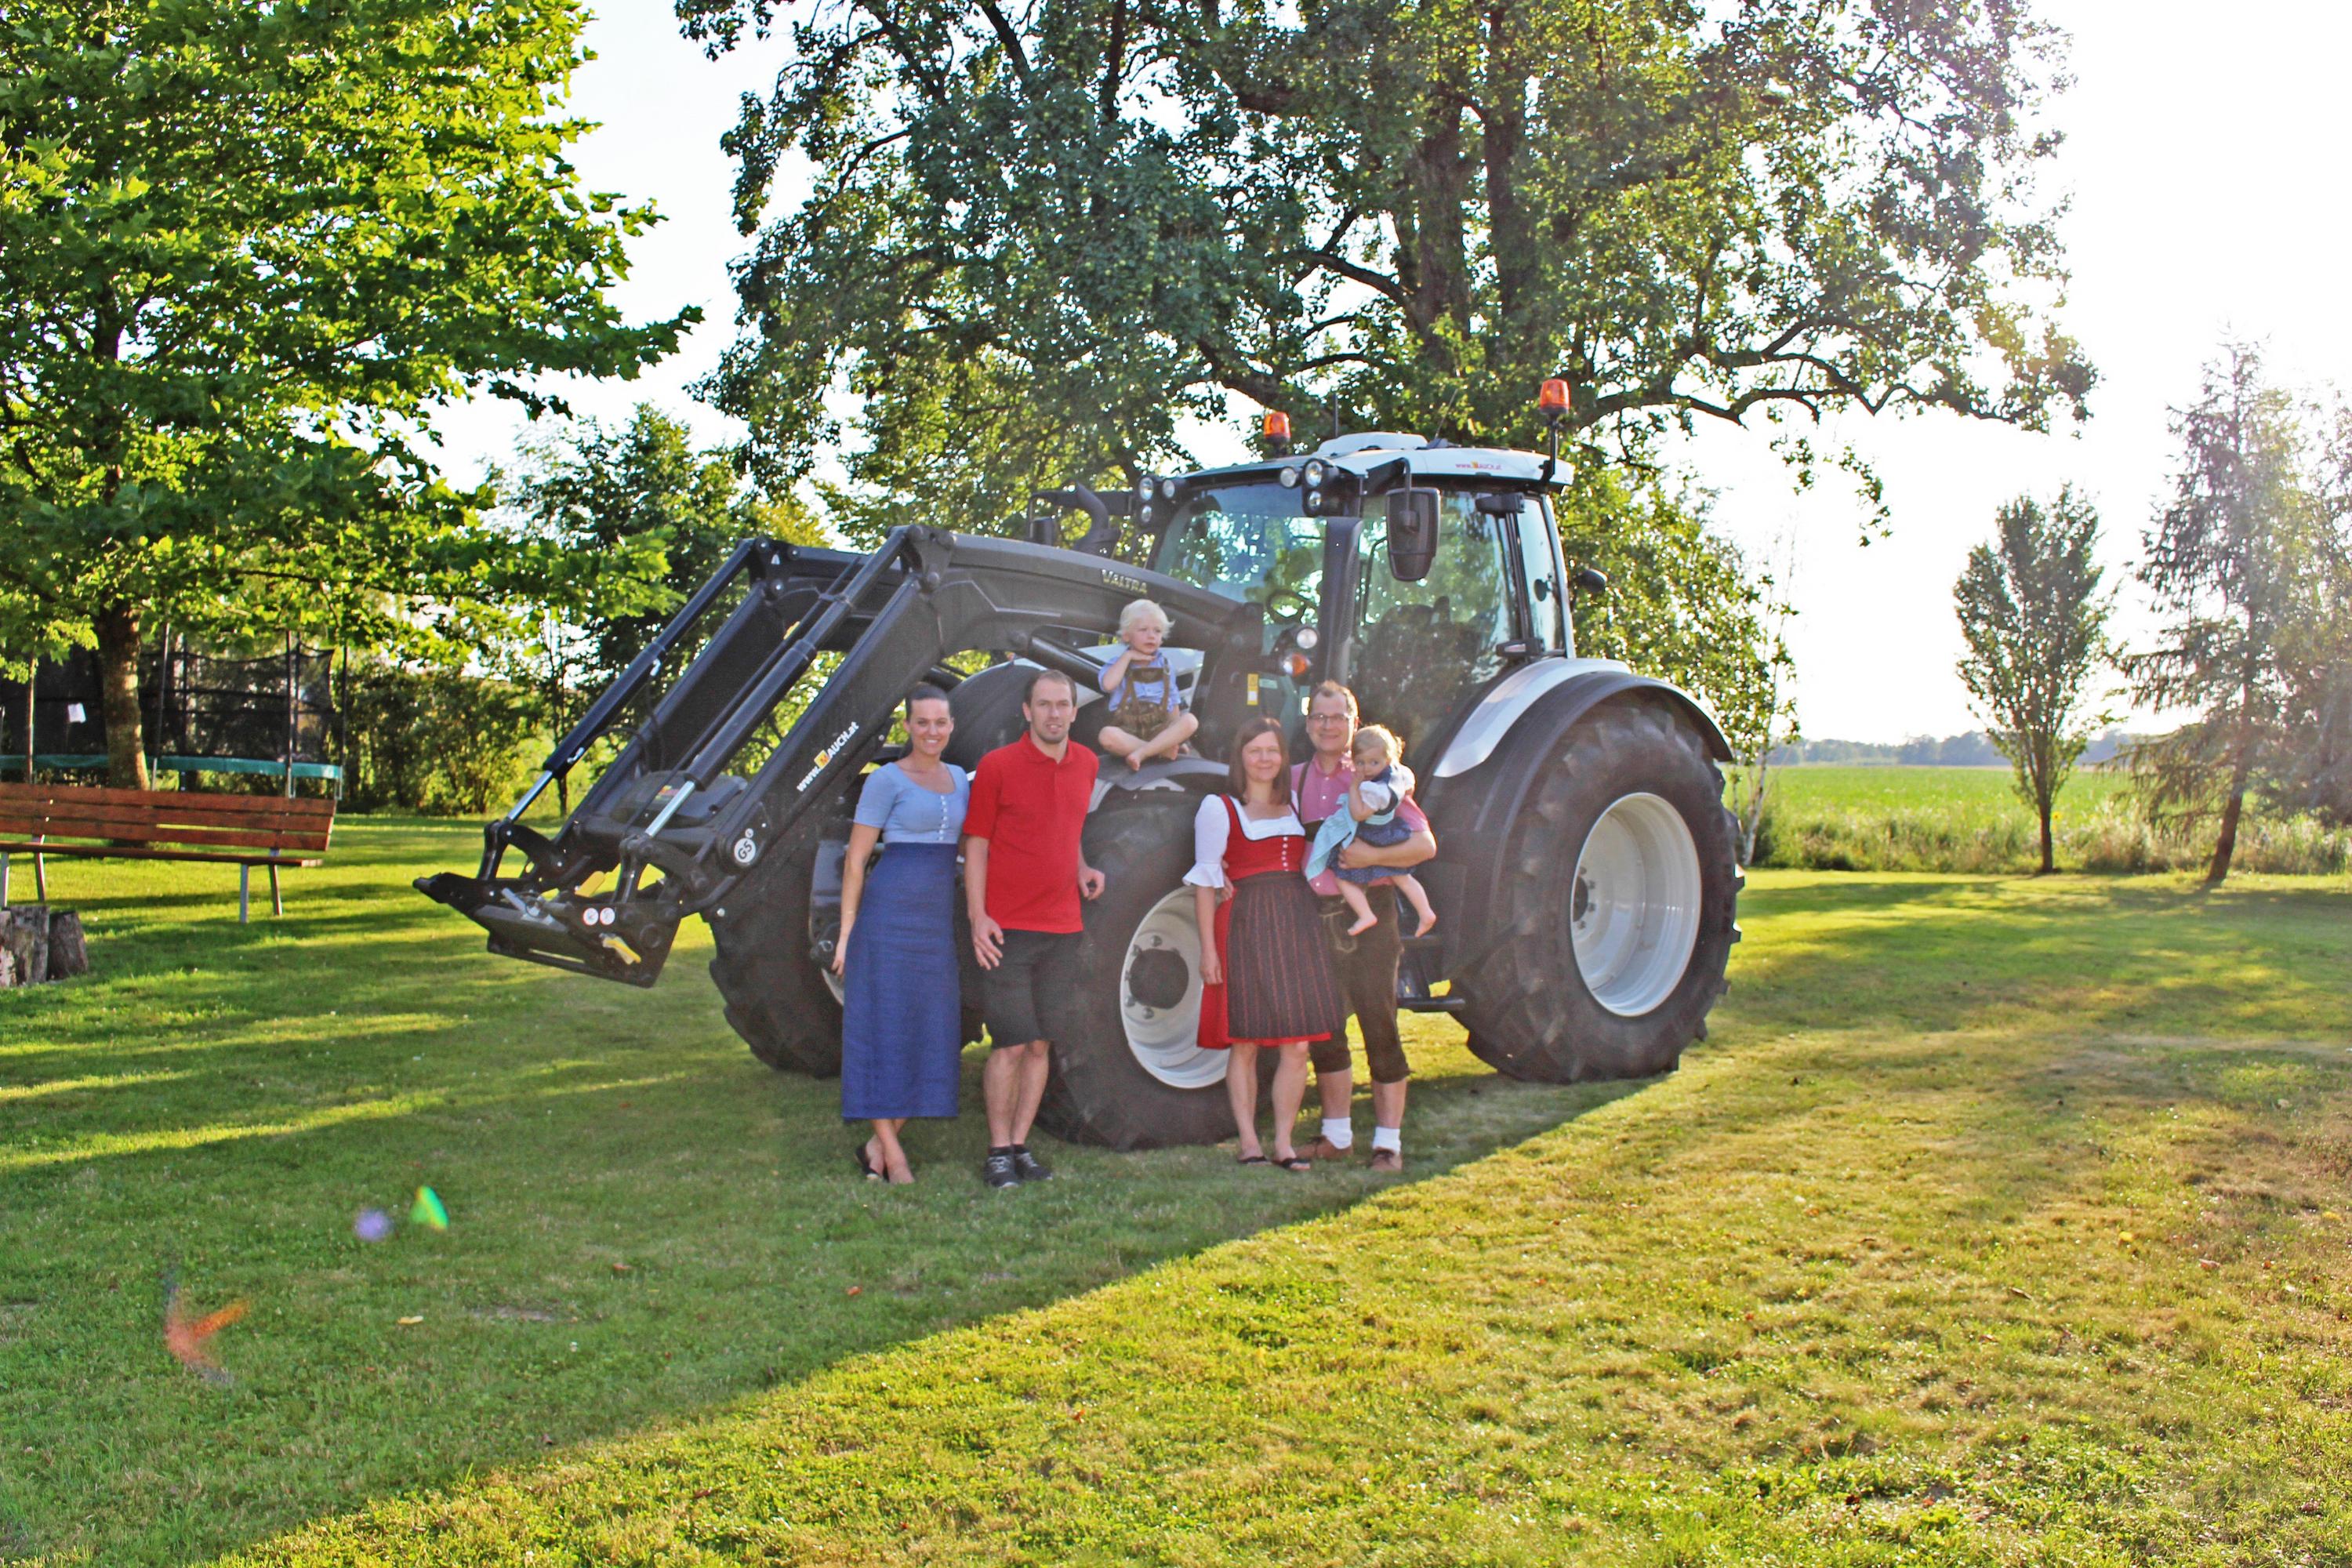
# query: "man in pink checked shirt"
{"type": "Point", "coordinates": [1366, 964]}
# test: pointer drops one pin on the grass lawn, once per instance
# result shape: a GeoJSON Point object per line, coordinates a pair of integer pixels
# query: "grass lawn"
{"type": "Point", "coordinates": [2000, 1221]}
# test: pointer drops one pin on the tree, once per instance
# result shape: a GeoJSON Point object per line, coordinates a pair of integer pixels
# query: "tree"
{"type": "Point", "coordinates": [2313, 771]}
{"type": "Point", "coordinates": [2233, 562]}
{"type": "Point", "coordinates": [2035, 622]}
{"type": "Point", "coordinates": [641, 490]}
{"type": "Point", "coordinates": [1037, 240]}
{"type": "Point", "coordinates": [249, 252]}
{"type": "Point", "coordinates": [1684, 605]}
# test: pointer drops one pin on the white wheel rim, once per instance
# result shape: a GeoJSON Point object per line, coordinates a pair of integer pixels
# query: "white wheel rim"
{"type": "Point", "coordinates": [1634, 907]}
{"type": "Point", "coordinates": [1166, 1040]}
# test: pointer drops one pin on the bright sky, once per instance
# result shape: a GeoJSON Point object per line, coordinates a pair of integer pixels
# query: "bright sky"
{"type": "Point", "coordinates": [2197, 157]}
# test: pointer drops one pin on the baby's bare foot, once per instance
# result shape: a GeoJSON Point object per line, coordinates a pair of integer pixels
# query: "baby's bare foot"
{"type": "Point", "coordinates": [1428, 923]}
{"type": "Point", "coordinates": [1363, 925]}
{"type": "Point", "coordinates": [1135, 759]}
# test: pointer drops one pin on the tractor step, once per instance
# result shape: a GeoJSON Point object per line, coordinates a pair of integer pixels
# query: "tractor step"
{"type": "Point", "coordinates": [1432, 1004]}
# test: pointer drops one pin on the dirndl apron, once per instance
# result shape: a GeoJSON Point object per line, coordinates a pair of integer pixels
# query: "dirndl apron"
{"type": "Point", "coordinates": [902, 1019]}
{"type": "Point", "coordinates": [1279, 983]}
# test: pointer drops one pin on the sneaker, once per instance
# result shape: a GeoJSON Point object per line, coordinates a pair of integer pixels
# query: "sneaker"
{"type": "Point", "coordinates": [997, 1169]}
{"type": "Point", "coordinates": [1028, 1166]}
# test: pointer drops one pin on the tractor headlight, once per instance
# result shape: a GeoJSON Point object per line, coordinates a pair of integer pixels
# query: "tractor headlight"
{"type": "Point", "coordinates": [1143, 487]}
{"type": "Point", "coordinates": [1314, 500]}
{"type": "Point", "coordinates": [1168, 489]}
{"type": "Point", "coordinates": [1305, 637]}
{"type": "Point", "coordinates": [1314, 472]}
{"type": "Point", "coordinates": [1288, 477]}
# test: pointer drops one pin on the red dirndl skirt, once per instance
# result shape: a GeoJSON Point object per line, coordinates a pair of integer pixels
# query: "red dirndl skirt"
{"type": "Point", "coordinates": [1279, 983]}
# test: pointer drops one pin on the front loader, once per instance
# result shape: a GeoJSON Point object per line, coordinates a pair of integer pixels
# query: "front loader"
{"type": "Point", "coordinates": [1585, 879]}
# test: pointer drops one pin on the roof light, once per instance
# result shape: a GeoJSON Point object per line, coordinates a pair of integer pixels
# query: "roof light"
{"type": "Point", "coordinates": [1277, 425]}
{"type": "Point", "coordinates": [1553, 399]}
{"type": "Point", "coordinates": [1289, 476]}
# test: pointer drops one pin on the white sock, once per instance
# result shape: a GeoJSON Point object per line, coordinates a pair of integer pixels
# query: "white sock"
{"type": "Point", "coordinates": [1339, 1132]}
{"type": "Point", "coordinates": [1389, 1138]}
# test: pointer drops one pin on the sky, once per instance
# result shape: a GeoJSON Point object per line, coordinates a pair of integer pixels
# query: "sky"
{"type": "Point", "coordinates": [2205, 204]}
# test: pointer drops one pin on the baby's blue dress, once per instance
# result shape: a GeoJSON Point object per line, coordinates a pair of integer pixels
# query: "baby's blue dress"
{"type": "Point", "coordinates": [902, 1014]}
{"type": "Point", "coordinates": [1380, 828]}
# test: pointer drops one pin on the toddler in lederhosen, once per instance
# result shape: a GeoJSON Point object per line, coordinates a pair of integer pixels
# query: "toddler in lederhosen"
{"type": "Point", "coordinates": [1148, 718]}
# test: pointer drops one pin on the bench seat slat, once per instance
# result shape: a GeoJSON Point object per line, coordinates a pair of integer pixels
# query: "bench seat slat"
{"type": "Point", "coordinates": [119, 852]}
{"type": "Point", "coordinates": [193, 813]}
{"type": "Point", "coordinates": [297, 805]}
{"type": "Point", "coordinates": [147, 831]}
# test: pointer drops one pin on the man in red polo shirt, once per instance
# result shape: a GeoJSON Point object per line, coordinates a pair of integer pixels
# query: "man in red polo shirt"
{"type": "Point", "coordinates": [1022, 877]}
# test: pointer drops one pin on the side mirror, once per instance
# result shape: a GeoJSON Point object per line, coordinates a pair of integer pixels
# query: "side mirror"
{"type": "Point", "coordinates": [1588, 581]}
{"type": "Point", "coordinates": [1412, 533]}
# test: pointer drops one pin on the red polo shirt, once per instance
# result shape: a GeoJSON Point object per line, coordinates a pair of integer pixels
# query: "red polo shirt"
{"type": "Point", "coordinates": [1031, 809]}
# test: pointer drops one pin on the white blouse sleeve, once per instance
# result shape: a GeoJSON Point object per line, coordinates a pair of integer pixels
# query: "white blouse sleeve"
{"type": "Point", "coordinates": [1210, 827]}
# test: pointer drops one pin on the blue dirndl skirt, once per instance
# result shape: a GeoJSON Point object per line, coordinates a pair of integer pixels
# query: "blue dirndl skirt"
{"type": "Point", "coordinates": [902, 1019]}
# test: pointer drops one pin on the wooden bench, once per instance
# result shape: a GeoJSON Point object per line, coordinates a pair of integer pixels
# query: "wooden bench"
{"type": "Point", "coordinates": [243, 830]}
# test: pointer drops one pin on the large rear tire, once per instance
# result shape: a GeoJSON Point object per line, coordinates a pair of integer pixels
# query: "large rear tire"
{"type": "Point", "coordinates": [778, 997]}
{"type": "Point", "coordinates": [1133, 1077]}
{"type": "Point", "coordinates": [1619, 896]}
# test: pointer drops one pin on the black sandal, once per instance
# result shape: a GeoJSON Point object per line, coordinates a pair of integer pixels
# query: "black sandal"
{"type": "Point", "coordinates": [1297, 1164]}
{"type": "Point", "coordinates": [1250, 1159]}
{"type": "Point", "coordinates": [871, 1174]}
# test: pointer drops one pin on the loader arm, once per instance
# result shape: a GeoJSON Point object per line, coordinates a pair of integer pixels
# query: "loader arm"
{"type": "Point", "coordinates": [687, 809]}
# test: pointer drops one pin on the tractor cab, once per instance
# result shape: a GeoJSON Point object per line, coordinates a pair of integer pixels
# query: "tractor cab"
{"type": "Point", "coordinates": [1415, 573]}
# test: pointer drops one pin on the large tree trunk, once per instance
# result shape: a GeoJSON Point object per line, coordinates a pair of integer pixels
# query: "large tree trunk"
{"type": "Point", "coordinates": [2049, 861]}
{"type": "Point", "coordinates": [118, 660]}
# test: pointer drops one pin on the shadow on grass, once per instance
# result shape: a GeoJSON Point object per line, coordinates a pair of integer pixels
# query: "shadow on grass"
{"type": "Point", "coordinates": [644, 1224]}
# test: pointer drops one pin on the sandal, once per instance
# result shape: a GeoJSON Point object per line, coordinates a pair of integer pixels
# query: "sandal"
{"type": "Point", "coordinates": [868, 1171]}
{"type": "Point", "coordinates": [1297, 1164]}
{"type": "Point", "coordinates": [1249, 1160]}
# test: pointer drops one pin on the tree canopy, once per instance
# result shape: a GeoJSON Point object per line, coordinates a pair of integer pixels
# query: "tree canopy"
{"type": "Point", "coordinates": [249, 252]}
{"type": "Point", "coordinates": [1038, 238]}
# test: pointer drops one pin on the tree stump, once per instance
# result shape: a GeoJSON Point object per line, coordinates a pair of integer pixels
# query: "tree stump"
{"type": "Point", "coordinates": [7, 969]}
{"type": "Point", "coordinates": [25, 932]}
{"type": "Point", "coordinates": [69, 947]}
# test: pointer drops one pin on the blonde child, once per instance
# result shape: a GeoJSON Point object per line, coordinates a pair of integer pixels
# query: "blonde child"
{"type": "Point", "coordinates": [1379, 784]}
{"type": "Point", "coordinates": [1147, 717]}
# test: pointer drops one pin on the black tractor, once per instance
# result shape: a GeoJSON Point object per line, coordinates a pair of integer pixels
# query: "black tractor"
{"type": "Point", "coordinates": [1586, 877]}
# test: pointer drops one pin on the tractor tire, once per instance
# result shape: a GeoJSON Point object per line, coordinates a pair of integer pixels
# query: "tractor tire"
{"type": "Point", "coordinates": [1133, 1077]}
{"type": "Point", "coordinates": [1619, 901]}
{"type": "Point", "coordinates": [778, 998]}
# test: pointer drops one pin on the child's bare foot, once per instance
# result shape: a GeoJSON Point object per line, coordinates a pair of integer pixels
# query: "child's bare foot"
{"type": "Point", "coordinates": [1363, 924]}
{"type": "Point", "coordinates": [1428, 922]}
{"type": "Point", "coordinates": [1135, 760]}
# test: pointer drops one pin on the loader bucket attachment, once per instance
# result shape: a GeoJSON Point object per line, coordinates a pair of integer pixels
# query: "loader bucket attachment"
{"type": "Point", "coordinates": [732, 759]}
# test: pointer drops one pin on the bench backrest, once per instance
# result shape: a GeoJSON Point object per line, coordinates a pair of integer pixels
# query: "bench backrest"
{"type": "Point", "coordinates": [187, 817]}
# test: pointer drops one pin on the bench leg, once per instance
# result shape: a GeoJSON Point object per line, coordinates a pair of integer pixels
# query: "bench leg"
{"type": "Point", "coordinates": [40, 877]}
{"type": "Point", "coordinates": [244, 894]}
{"type": "Point", "coordinates": [277, 904]}
{"type": "Point", "coordinates": [4, 881]}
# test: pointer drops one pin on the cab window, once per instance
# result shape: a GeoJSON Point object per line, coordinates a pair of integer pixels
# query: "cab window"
{"type": "Point", "coordinates": [1422, 647]}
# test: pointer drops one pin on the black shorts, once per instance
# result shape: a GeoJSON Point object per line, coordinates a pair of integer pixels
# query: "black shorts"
{"type": "Point", "coordinates": [1028, 995]}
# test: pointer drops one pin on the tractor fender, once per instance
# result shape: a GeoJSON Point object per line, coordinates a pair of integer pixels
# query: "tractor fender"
{"type": "Point", "coordinates": [1488, 772]}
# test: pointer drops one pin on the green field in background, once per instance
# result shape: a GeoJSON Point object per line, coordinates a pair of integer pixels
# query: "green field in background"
{"type": "Point", "coordinates": [1988, 792]}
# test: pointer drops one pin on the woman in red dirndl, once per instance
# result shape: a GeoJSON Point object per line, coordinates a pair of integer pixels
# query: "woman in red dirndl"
{"type": "Point", "coordinates": [1267, 977]}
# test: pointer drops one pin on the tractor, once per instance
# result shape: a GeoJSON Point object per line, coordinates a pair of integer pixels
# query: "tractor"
{"type": "Point", "coordinates": [1586, 876]}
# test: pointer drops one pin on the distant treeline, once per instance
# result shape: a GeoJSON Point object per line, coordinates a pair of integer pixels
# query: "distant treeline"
{"type": "Point", "coordinates": [1973, 750]}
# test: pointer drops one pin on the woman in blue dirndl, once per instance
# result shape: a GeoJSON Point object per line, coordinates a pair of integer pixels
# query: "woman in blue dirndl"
{"type": "Point", "coordinates": [902, 1017]}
